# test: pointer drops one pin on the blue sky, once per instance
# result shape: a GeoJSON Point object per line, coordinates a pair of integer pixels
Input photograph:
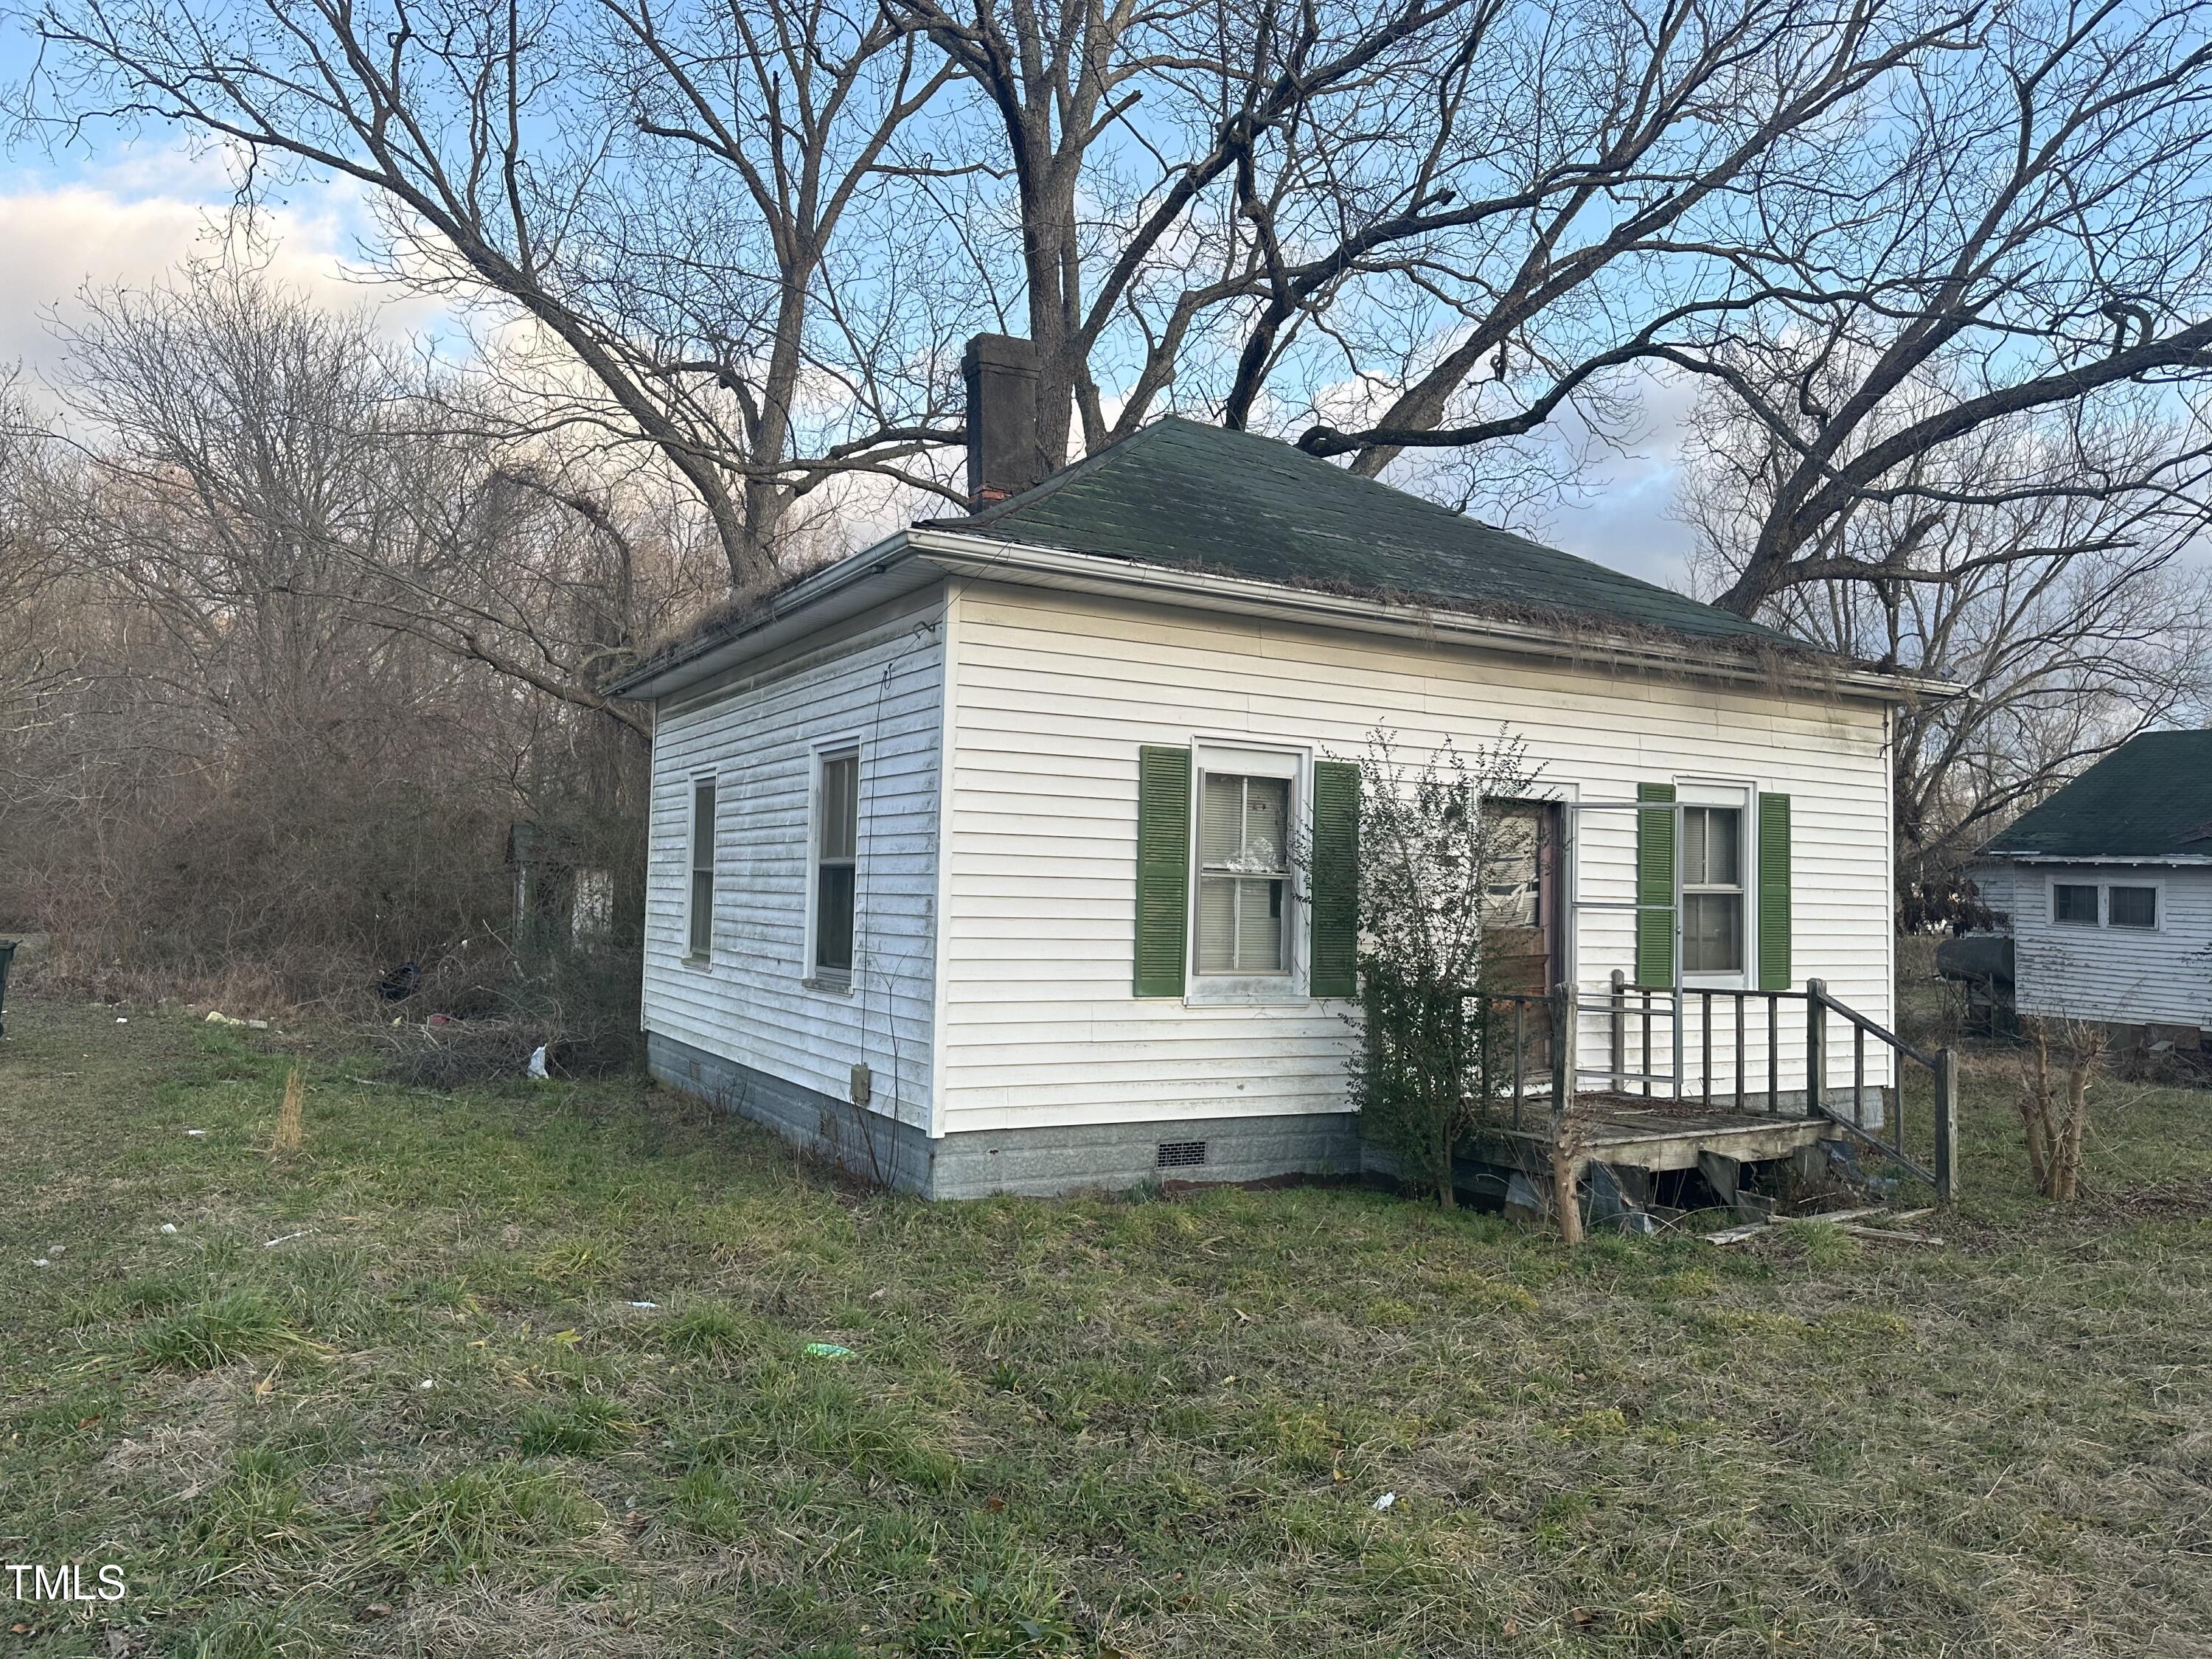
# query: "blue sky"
{"type": "Point", "coordinates": [133, 209]}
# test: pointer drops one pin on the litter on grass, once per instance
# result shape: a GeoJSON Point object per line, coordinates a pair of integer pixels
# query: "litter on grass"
{"type": "Point", "coordinates": [196, 1132]}
{"type": "Point", "coordinates": [1386, 1500]}
{"type": "Point", "coordinates": [41, 1262]}
{"type": "Point", "coordinates": [168, 1226]}
{"type": "Point", "coordinates": [286, 1238]}
{"type": "Point", "coordinates": [537, 1065]}
{"type": "Point", "coordinates": [426, 1385]}
{"type": "Point", "coordinates": [829, 1351]}
{"type": "Point", "coordinates": [645, 1304]}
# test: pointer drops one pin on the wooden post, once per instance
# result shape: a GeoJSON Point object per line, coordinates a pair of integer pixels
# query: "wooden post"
{"type": "Point", "coordinates": [1947, 1125]}
{"type": "Point", "coordinates": [1566, 1157]}
{"type": "Point", "coordinates": [1619, 1027]}
{"type": "Point", "coordinates": [1816, 1047]}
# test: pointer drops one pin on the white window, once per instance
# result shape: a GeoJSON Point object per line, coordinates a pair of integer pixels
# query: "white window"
{"type": "Point", "coordinates": [836, 863]}
{"type": "Point", "coordinates": [700, 902]}
{"type": "Point", "coordinates": [2074, 903]}
{"type": "Point", "coordinates": [1243, 875]}
{"type": "Point", "coordinates": [1712, 889]}
{"type": "Point", "coordinates": [2131, 907]}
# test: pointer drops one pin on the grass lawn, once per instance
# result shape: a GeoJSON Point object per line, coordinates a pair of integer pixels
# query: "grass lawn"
{"type": "Point", "coordinates": [433, 1419]}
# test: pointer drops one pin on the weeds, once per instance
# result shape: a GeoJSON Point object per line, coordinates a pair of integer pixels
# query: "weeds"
{"type": "Point", "coordinates": [239, 1325]}
{"type": "Point", "coordinates": [1071, 1428]}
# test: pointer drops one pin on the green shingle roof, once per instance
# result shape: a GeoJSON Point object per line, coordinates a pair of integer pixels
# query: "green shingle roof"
{"type": "Point", "coordinates": [2150, 797]}
{"type": "Point", "coordinates": [1193, 496]}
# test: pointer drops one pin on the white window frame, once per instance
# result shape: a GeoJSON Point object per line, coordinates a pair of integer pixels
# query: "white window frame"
{"type": "Point", "coordinates": [1236, 759]}
{"type": "Point", "coordinates": [1742, 796]}
{"type": "Point", "coordinates": [693, 783]}
{"type": "Point", "coordinates": [2051, 884]}
{"type": "Point", "coordinates": [2104, 885]}
{"type": "Point", "coordinates": [2158, 891]}
{"type": "Point", "coordinates": [829, 983]}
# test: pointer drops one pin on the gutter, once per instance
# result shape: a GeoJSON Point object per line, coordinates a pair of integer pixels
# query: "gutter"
{"type": "Point", "coordinates": [2180, 861]}
{"type": "Point", "coordinates": [983, 558]}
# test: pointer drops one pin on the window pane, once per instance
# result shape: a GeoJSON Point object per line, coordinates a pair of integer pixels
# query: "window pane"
{"type": "Point", "coordinates": [703, 912]}
{"type": "Point", "coordinates": [1712, 932]}
{"type": "Point", "coordinates": [1217, 925]}
{"type": "Point", "coordinates": [1259, 926]}
{"type": "Point", "coordinates": [703, 827]}
{"type": "Point", "coordinates": [833, 918]}
{"type": "Point", "coordinates": [1240, 925]}
{"type": "Point", "coordinates": [1220, 818]}
{"type": "Point", "coordinates": [2075, 902]}
{"type": "Point", "coordinates": [1723, 835]}
{"type": "Point", "coordinates": [2131, 907]}
{"type": "Point", "coordinates": [1241, 822]}
{"type": "Point", "coordinates": [840, 794]}
{"type": "Point", "coordinates": [1267, 807]}
{"type": "Point", "coordinates": [1514, 885]}
{"type": "Point", "coordinates": [1694, 845]}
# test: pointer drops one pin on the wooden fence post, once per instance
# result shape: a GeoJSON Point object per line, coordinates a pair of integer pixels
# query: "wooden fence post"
{"type": "Point", "coordinates": [1947, 1125]}
{"type": "Point", "coordinates": [1816, 1049]}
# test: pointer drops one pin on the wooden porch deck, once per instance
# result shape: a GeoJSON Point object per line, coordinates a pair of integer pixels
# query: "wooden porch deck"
{"type": "Point", "coordinates": [1661, 1134]}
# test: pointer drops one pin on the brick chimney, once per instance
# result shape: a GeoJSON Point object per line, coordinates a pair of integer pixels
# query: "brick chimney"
{"type": "Point", "coordinates": [1004, 457]}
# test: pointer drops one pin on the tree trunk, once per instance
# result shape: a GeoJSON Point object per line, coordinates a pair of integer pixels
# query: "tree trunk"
{"type": "Point", "coordinates": [1566, 1195]}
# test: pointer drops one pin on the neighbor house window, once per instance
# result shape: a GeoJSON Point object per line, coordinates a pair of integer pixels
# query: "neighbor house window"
{"type": "Point", "coordinates": [2074, 903]}
{"type": "Point", "coordinates": [836, 843]}
{"type": "Point", "coordinates": [1712, 889]}
{"type": "Point", "coordinates": [2131, 907]}
{"type": "Point", "coordinates": [1244, 874]}
{"type": "Point", "coordinates": [702, 868]}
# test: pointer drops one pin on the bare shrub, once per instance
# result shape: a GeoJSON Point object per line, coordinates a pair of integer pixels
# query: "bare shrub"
{"type": "Point", "coordinates": [2062, 1059]}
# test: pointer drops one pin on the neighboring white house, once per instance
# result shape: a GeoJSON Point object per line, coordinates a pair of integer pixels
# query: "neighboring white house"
{"type": "Point", "coordinates": [971, 854]}
{"type": "Point", "coordinates": [2107, 890]}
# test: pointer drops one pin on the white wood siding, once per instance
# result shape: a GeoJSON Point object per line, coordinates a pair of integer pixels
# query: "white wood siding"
{"type": "Point", "coordinates": [2116, 974]}
{"type": "Point", "coordinates": [1053, 694]}
{"type": "Point", "coordinates": [880, 683]}
{"type": "Point", "coordinates": [1998, 888]}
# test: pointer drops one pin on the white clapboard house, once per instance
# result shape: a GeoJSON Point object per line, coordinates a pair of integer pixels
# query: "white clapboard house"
{"type": "Point", "coordinates": [969, 851]}
{"type": "Point", "coordinates": [2107, 890]}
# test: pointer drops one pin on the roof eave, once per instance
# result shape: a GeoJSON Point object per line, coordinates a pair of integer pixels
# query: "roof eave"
{"type": "Point", "coordinates": [976, 557]}
{"type": "Point", "coordinates": [2184, 859]}
{"type": "Point", "coordinates": [783, 613]}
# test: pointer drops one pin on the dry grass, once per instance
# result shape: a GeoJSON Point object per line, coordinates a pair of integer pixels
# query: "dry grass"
{"type": "Point", "coordinates": [1141, 1426]}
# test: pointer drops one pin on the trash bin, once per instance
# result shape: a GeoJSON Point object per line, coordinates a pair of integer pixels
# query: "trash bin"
{"type": "Point", "coordinates": [7, 955]}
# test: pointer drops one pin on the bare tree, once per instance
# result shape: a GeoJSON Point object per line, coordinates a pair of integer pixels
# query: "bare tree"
{"type": "Point", "coordinates": [2073, 614]}
{"type": "Point", "coordinates": [578, 165]}
{"type": "Point", "coordinates": [2013, 224]}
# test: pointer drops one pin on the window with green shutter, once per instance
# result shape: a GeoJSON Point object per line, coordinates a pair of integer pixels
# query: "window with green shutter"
{"type": "Point", "coordinates": [1655, 885]}
{"type": "Point", "coordinates": [1774, 967]}
{"type": "Point", "coordinates": [1334, 971]}
{"type": "Point", "coordinates": [1162, 869]}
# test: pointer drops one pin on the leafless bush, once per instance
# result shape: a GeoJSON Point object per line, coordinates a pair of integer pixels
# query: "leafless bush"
{"type": "Point", "coordinates": [2063, 1058]}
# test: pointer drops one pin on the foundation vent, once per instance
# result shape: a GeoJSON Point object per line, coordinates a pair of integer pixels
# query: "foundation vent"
{"type": "Point", "coordinates": [1180, 1154]}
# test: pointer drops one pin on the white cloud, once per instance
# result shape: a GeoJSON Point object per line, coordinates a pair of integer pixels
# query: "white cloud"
{"type": "Point", "coordinates": [139, 215]}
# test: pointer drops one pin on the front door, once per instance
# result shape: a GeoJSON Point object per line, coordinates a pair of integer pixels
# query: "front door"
{"type": "Point", "coordinates": [1520, 930]}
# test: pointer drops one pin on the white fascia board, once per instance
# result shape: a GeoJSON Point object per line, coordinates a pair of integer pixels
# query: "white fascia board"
{"type": "Point", "coordinates": [2183, 860]}
{"type": "Point", "coordinates": [981, 558]}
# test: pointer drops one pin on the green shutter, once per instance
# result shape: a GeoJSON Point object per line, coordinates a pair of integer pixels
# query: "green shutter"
{"type": "Point", "coordinates": [1655, 884]}
{"type": "Point", "coordinates": [1334, 969]}
{"type": "Point", "coordinates": [1162, 869]}
{"type": "Point", "coordinates": [1773, 892]}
